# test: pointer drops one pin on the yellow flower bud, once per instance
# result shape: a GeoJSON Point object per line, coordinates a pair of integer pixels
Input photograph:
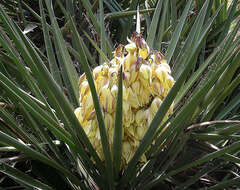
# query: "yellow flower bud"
{"type": "Point", "coordinates": [100, 82]}
{"type": "Point", "coordinates": [132, 99]}
{"type": "Point", "coordinates": [105, 69]}
{"type": "Point", "coordinates": [125, 93]}
{"type": "Point", "coordinates": [78, 114]}
{"type": "Point", "coordinates": [144, 52]}
{"type": "Point", "coordinates": [170, 81]}
{"type": "Point", "coordinates": [146, 72]}
{"type": "Point", "coordinates": [131, 48]}
{"type": "Point", "coordinates": [136, 87]}
{"type": "Point", "coordinates": [114, 91]}
{"type": "Point", "coordinates": [156, 88]}
{"type": "Point", "coordinates": [144, 96]}
{"type": "Point", "coordinates": [84, 89]}
{"type": "Point", "coordinates": [81, 79]}
{"type": "Point", "coordinates": [126, 78]}
{"type": "Point", "coordinates": [141, 118]}
{"type": "Point", "coordinates": [156, 103]}
{"type": "Point", "coordinates": [129, 61]}
{"type": "Point", "coordinates": [140, 132]}
{"type": "Point", "coordinates": [133, 74]}
{"type": "Point", "coordinates": [162, 74]}
{"type": "Point", "coordinates": [127, 151]}
{"type": "Point", "coordinates": [165, 65]}
{"type": "Point", "coordinates": [97, 71]}
{"type": "Point", "coordinates": [109, 122]}
{"type": "Point", "coordinates": [106, 99]}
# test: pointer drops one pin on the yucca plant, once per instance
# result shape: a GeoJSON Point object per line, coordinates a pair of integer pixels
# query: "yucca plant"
{"type": "Point", "coordinates": [160, 111]}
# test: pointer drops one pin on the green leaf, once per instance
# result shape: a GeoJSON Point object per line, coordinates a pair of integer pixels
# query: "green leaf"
{"type": "Point", "coordinates": [102, 29]}
{"type": "Point", "coordinates": [192, 39]}
{"type": "Point", "coordinates": [197, 176]}
{"type": "Point", "coordinates": [95, 23]}
{"type": "Point", "coordinates": [228, 21]}
{"type": "Point", "coordinates": [128, 25]}
{"type": "Point", "coordinates": [216, 102]}
{"type": "Point", "coordinates": [220, 50]}
{"type": "Point", "coordinates": [25, 5]}
{"type": "Point", "coordinates": [186, 115]}
{"type": "Point", "coordinates": [69, 7]}
{"type": "Point", "coordinates": [61, 104]}
{"type": "Point", "coordinates": [153, 26]}
{"type": "Point", "coordinates": [101, 53]}
{"type": "Point", "coordinates": [50, 53]}
{"type": "Point", "coordinates": [122, 14]}
{"type": "Point", "coordinates": [66, 62]}
{"type": "Point", "coordinates": [195, 76]}
{"type": "Point", "coordinates": [174, 13]}
{"type": "Point", "coordinates": [162, 24]}
{"type": "Point", "coordinates": [225, 184]}
{"type": "Point", "coordinates": [118, 131]}
{"type": "Point", "coordinates": [177, 32]}
{"type": "Point", "coordinates": [228, 46]}
{"type": "Point", "coordinates": [32, 106]}
{"type": "Point", "coordinates": [214, 137]}
{"type": "Point", "coordinates": [42, 134]}
{"type": "Point", "coordinates": [18, 131]}
{"type": "Point", "coordinates": [222, 82]}
{"type": "Point", "coordinates": [20, 176]}
{"type": "Point", "coordinates": [204, 159]}
{"type": "Point", "coordinates": [21, 13]}
{"type": "Point", "coordinates": [101, 124]}
{"type": "Point", "coordinates": [31, 58]}
{"type": "Point", "coordinates": [36, 155]}
{"type": "Point", "coordinates": [150, 134]}
{"type": "Point", "coordinates": [231, 105]}
{"type": "Point", "coordinates": [5, 42]}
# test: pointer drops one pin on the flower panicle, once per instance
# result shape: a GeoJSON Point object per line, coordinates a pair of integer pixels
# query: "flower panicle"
{"type": "Point", "coordinates": [146, 82]}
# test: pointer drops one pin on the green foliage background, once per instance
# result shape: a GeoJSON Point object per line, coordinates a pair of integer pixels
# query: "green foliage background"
{"type": "Point", "coordinates": [45, 45]}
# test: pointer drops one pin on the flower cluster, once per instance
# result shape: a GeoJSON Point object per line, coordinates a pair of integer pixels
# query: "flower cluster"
{"type": "Point", "coordinates": [146, 81]}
